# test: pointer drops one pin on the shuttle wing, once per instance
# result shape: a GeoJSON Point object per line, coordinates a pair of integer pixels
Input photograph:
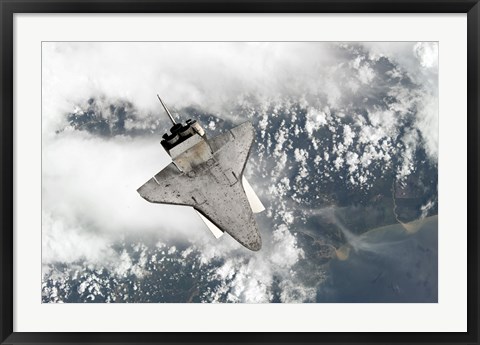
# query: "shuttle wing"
{"type": "Point", "coordinates": [213, 188]}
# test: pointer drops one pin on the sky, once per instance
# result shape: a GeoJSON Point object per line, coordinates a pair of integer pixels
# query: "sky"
{"type": "Point", "coordinates": [89, 180]}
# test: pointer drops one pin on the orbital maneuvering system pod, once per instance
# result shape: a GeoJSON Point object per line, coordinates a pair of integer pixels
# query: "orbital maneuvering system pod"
{"type": "Point", "coordinates": [207, 174]}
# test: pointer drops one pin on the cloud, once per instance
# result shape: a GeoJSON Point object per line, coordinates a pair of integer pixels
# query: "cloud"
{"type": "Point", "coordinates": [249, 278]}
{"type": "Point", "coordinates": [419, 60]}
{"type": "Point", "coordinates": [77, 242]}
{"type": "Point", "coordinates": [89, 190]}
{"type": "Point", "coordinates": [294, 293]}
{"type": "Point", "coordinates": [426, 53]}
{"type": "Point", "coordinates": [73, 72]}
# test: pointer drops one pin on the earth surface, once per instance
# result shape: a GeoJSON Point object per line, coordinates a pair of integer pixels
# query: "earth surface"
{"type": "Point", "coordinates": [349, 186]}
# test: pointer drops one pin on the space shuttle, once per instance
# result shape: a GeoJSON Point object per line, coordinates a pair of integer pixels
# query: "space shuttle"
{"type": "Point", "coordinates": [207, 174]}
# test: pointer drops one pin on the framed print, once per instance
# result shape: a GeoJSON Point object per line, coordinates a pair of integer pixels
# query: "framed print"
{"type": "Point", "coordinates": [241, 172]}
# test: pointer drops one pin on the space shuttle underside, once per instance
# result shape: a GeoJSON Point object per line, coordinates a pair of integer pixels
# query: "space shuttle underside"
{"type": "Point", "coordinates": [207, 174]}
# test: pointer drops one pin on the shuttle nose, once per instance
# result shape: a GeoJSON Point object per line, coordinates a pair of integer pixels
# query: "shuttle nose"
{"type": "Point", "coordinates": [256, 246]}
{"type": "Point", "coordinates": [255, 243]}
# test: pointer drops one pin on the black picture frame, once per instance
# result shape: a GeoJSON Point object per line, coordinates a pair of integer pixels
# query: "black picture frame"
{"type": "Point", "coordinates": [9, 7]}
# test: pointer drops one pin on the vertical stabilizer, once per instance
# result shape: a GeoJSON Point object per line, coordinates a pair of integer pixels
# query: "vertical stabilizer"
{"type": "Point", "coordinates": [167, 111]}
